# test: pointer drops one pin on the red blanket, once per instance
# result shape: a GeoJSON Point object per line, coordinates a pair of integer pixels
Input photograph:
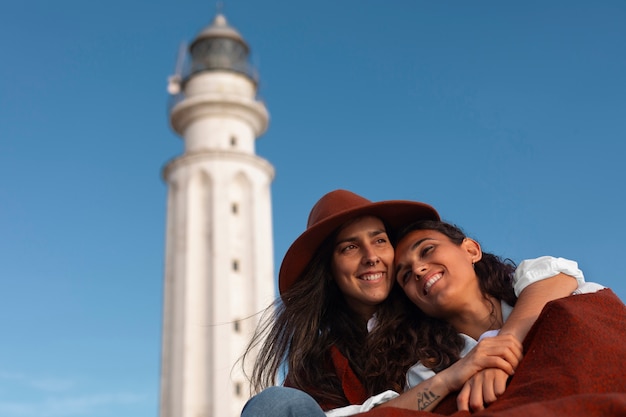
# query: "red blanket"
{"type": "Point", "coordinates": [574, 365]}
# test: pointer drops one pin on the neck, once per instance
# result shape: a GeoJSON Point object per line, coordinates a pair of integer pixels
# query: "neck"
{"type": "Point", "coordinates": [477, 318]}
{"type": "Point", "coordinates": [366, 311]}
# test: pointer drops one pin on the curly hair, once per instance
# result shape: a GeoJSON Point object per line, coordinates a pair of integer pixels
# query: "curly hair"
{"type": "Point", "coordinates": [403, 336]}
{"type": "Point", "coordinates": [410, 335]}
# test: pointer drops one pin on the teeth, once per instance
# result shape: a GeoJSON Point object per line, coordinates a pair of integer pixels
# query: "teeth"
{"type": "Point", "coordinates": [371, 277]}
{"type": "Point", "coordinates": [430, 282]}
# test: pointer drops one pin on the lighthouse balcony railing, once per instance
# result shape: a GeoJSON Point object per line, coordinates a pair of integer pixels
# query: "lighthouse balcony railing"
{"type": "Point", "coordinates": [176, 86]}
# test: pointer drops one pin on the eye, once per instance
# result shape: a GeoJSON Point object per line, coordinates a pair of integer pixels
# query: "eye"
{"type": "Point", "coordinates": [403, 277]}
{"type": "Point", "coordinates": [381, 238]}
{"type": "Point", "coordinates": [426, 250]}
{"type": "Point", "coordinates": [348, 248]}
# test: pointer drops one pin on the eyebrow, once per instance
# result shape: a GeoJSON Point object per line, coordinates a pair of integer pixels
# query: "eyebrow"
{"type": "Point", "coordinates": [354, 238]}
{"type": "Point", "coordinates": [400, 267]}
{"type": "Point", "coordinates": [419, 242]}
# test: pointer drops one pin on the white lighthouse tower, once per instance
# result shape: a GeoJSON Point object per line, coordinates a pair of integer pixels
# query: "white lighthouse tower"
{"type": "Point", "coordinates": [219, 248]}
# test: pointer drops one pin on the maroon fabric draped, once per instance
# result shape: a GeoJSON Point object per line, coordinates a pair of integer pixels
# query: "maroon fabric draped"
{"type": "Point", "coordinates": [352, 386]}
{"type": "Point", "coordinates": [574, 365]}
{"type": "Point", "coordinates": [353, 389]}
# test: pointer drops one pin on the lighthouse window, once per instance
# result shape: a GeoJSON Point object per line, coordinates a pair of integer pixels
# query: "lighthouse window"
{"type": "Point", "coordinates": [237, 326]}
{"type": "Point", "coordinates": [235, 265]}
{"type": "Point", "coordinates": [234, 208]}
{"type": "Point", "coordinates": [233, 141]}
{"type": "Point", "coordinates": [219, 53]}
{"type": "Point", "coordinates": [238, 389]}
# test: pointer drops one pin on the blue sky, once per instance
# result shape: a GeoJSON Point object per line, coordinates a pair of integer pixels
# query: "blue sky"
{"type": "Point", "coordinates": [508, 117]}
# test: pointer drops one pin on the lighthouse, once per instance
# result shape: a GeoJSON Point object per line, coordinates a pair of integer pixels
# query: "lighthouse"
{"type": "Point", "coordinates": [218, 241]}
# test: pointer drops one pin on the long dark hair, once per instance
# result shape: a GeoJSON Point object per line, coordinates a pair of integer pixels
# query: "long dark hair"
{"type": "Point", "coordinates": [432, 341]}
{"type": "Point", "coordinates": [299, 330]}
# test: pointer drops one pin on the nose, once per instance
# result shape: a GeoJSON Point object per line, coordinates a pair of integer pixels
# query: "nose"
{"type": "Point", "coordinates": [370, 257]}
{"type": "Point", "coordinates": [419, 269]}
{"type": "Point", "coordinates": [372, 261]}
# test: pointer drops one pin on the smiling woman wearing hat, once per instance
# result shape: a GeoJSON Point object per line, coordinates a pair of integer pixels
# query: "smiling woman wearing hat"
{"type": "Point", "coordinates": [334, 277]}
{"type": "Point", "coordinates": [332, 211]}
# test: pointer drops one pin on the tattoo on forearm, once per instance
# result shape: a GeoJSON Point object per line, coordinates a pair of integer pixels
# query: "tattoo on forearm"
{"type": "Point", "coordinates": [425, 399]}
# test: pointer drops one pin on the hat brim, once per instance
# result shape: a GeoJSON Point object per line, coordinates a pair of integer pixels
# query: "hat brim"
{"type": "Point", "coordinates": [395, 214]}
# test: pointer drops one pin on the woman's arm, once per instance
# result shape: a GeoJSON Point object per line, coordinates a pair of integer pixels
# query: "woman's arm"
{"type": "Point", "coordinates": [537, 285]}
{"type": "Point", "coordinates": [500, 352]}
{"type": "Point", "coordinates": [530, 271]}
{"type": "Point", "coordinates": [536, 282]}
{"type": "Point", "coordinates": [532, 300]}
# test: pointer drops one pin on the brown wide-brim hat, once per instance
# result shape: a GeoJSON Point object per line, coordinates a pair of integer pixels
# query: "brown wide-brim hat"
{"type": "Point", "coordinates": [332, 211]}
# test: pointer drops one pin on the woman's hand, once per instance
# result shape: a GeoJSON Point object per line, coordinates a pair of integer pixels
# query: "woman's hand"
{"type": "Point", "coordinates": [482, 389]}
{"type": "Point", "coordinates": [502, 352]}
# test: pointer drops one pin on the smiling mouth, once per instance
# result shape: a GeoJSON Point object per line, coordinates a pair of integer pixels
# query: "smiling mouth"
{"type": "Point", "coordinates": [371, 277]}
{"type": "Point", "coordinates": [431, 282]}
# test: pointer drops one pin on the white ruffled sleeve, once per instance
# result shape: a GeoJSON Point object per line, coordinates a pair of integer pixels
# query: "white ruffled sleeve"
{"type": "Point", "coordinates": [371, 402]}
{"type": "Point", "coordinates": [417, 374]}
{"type": "Point", "coordinates": [530, 271]}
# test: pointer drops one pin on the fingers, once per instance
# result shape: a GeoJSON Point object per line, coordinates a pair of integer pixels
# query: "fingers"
{"type": "Point", "coordinates": [507, 339]}
{"type": "Point", "coordinates": [498, 363]}
{"type": "Point", "coordinates": [482, 389]}
{"type": "Point", "coordinates": [499, 384]}
{"type": "Point", "coordinates": [508, 342]}
{"type": "Point", "coordinates": [470, 397]}
{"type": "Point", "coordinates": [476, 399]}
{"type": "Point", "coordinates": [501, 352]}
{"type": "Point", "coordinates": [494, 359]}
{"type": "Point", "coordinates": [462, 400]}
{"type": "Point", "coordinates": [488, 394]}
{"type": "Point", "coordinates": [506, 347]}
{"type": "Point", "coordinates": [493, 384]}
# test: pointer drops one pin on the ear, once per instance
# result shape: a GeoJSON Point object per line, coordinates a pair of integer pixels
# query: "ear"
{"type": "Point", "coordinates": [473, 249]}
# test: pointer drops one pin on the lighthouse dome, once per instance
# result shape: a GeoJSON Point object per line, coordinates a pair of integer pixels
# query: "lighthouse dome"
{"type": "Point", "coordinates": [219, 46]}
